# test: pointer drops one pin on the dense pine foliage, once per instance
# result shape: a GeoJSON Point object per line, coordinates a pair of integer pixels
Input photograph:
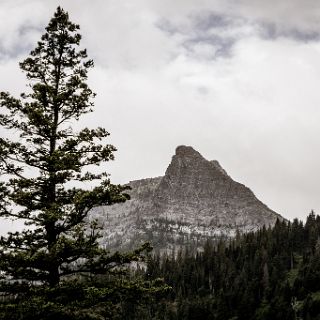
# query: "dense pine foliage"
{"type": "Point", "coordinates": [55, 267]}
{"type": "Point", "coordinates": [270, 274]}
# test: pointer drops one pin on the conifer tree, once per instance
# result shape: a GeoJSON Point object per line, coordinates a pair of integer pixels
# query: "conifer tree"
{"type": "Point", "coordinates": [42, 171]}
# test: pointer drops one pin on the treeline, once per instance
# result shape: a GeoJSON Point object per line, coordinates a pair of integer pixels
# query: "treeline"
{"type": "Point", "coordinates": [270, 274]}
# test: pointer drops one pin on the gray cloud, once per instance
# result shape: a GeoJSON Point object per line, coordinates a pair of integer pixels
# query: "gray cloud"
{"type": "Point", "coordinates": [202, 30]}
{"type": "Point", "coordinates": [273, 32]}
{"type": "Point", "coordinates": [25, 36]}
{"type": "Point", "coordinates": [220, 46]}
{"type": "Point", "coordinates": [238, 80]}
{"type": "Point", "coordinates": [213, 20]}
{"type": "Point", "coordinates": [221, 31]}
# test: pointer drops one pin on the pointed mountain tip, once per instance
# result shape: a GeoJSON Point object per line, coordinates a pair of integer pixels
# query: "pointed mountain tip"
{"type": "Point", "coordinates": [218, 166]}
{"type": "Point", "coordinates": [186, 151]}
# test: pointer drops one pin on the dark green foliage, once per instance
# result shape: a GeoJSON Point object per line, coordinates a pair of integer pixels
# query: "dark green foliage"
{"type": "Point", "coordinates": [56, 269]}
{"type": "Point", "coordinates": [109, 297]}
{"type": "Point", "coordinates": [270, 274]}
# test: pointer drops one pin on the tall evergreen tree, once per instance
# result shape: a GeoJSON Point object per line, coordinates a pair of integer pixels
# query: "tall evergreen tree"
{"type": "Point", "coordinates": [42, 171]}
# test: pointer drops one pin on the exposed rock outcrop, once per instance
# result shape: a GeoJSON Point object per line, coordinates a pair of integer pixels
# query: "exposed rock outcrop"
{"type": "Point", "coordinates": [195, 200]}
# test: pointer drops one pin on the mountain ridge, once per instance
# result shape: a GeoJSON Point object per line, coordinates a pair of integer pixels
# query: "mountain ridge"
{"type": "Point", "coordinates": [194, 201]}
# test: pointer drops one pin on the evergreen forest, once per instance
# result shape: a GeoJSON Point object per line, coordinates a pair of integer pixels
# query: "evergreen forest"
{"type": "Point", "coordinates": [273, 273]}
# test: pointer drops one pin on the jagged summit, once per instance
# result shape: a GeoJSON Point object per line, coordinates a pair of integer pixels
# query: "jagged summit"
{"type": "Point", "coordinates": [183, 152]}
{"type": "Point", "coordinates": [196, 199]}
{"type": "Point", "coordinates": [217, 165]}
{"type": "Point", "coordinates": [186, 151]}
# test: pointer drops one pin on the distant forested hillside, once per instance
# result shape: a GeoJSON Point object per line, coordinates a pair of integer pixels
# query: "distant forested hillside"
{"type": "Point", "coordinates": [270, 274]}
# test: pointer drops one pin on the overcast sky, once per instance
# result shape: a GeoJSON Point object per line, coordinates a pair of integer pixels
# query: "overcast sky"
{"type": "Point", "coordinates": [239, 80]}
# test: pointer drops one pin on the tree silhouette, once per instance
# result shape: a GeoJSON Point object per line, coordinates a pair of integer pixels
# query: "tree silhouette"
{"type": "Point", "coordinates": [43, 166]}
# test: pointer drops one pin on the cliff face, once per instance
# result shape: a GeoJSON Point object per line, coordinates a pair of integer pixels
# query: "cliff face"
{"type": "Point", "coordinates": [194, 200]}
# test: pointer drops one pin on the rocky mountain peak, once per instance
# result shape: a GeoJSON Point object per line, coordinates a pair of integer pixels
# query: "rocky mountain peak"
{"type": "Point", "coordinates": [187, 151]}
{"type": "Point", "coordinates": [191, 171]}
{"type": "Point", "coordinates": [195, 200]}
{"type": "Point", "coordinates": [217, 165]}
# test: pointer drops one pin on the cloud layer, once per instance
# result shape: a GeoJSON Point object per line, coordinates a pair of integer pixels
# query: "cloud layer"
{"type": "Point", "coordinates": [238, 80]}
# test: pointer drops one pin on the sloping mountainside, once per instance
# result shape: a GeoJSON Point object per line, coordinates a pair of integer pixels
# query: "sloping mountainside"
{"type": "Point", "coordinates": [195, 200]}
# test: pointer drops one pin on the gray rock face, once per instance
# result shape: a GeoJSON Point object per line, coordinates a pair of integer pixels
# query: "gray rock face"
{"type": "Point", "coordinates": [195, 200]}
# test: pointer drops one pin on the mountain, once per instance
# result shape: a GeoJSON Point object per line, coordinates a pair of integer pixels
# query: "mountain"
{"type": "Point", "coordinates": [195, 200]}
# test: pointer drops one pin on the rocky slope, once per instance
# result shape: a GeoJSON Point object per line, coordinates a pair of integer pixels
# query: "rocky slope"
{"type": "Point", "coordinates": [195, 200]}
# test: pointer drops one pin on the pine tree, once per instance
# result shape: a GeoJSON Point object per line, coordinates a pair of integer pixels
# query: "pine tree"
{"type": "Point", "coordinates": [42, 171]}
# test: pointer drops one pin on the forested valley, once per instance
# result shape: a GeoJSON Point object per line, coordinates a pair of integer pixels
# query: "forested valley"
{"type": "Point", "coordinates": [270, 274]}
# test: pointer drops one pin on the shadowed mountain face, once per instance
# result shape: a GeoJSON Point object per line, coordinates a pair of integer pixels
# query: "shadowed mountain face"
{"type": "Point", "coordinates": [194, 200]}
